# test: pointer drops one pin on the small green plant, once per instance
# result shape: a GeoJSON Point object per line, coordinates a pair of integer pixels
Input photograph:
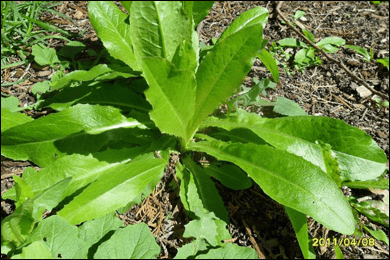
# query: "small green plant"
{"type": "Point", "coordinates": [118, 124]}
{"type": "Point", "coordinates": [17, 22]}
{"type": "Point", "coordinates": [362, 51]}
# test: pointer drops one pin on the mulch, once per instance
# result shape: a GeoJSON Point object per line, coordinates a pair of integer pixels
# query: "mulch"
{"type": "Point", "coordinates": [255, 219]}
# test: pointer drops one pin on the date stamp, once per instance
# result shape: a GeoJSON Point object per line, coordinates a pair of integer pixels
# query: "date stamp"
{"type": "Point", "coordinates": [344, 241]}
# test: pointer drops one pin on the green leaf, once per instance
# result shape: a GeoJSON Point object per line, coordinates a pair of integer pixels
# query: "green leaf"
{"type": "Point", "coordinates": [93, 230]}
{"type": "Point", "coordinates": [16, 227]}
{"type": "Point", "coordinates": [337, 251]}
{"type": "Point", "coordinates": [171, 92]}
{"type": "Point", "coordinates": [299, 222]}
{"type": "Point", "coordinates": [82, 169]}
{"type": "Point", "coordinates": [329, 48]}
{"type": "Point", "coordinates": [11, 119]}
{"type": "Point", "coordinates": [360, 50]}
{"type": "Point", "coordinates": [23, 191]}
{"type": "Point", "coordinates": [291, 42]}
{"type": "Point", "coordinates": [270, 63]}
{"type": "Point", "coordinates": [11, 103]}
{"type": "Point", "coordinates": [118, 187]}
{"type": "Point", "coordinates": [380, 184]}
{"type": "Point", "coordinates": [35, 250]}
{"type": "Point", "coordinates": [204, 227]}
{"type": "Point", "coordinates": [385, 62]}
{"type": "Point", "coordinates": [229, 175]}
{"type": "Point", "coordinates": [96, 73]}
{"type": "Point", "coordinates": [279, 174]}
{"type": "Point", "coordinates": [254, 16]}
{"type": "Point", "coordinates": [331, 163]}
{"type": "Point", "coordinates": [230, 251]}
{"type": "Point", "coordinates": [79, 129]}
{"type": "Point", "coordinates": [375, 210]}
{"type": "Point", "coordinates": [101, 93]}
{"type": "Point", "coordinates": [200, 10]}
{"type": "Point", "coordinates": [287, 107]}
{"type": "Point", "coordinates": [298, 14]}
{"type": "Point", "coordinates": [378, 234]}
{"type": "Point", "coordinates": [60, 237]}
{"type": "Point", "coordinates": [191, 249]}
{"type": "Point", "coordinates": [44, 55]}
{"type": "Point", "coordinates": [359, 157]}
{"type": "Point", "coordinates": [112, 28]}
{"type": "Point", "coordinates": [309, 35]}
{"type": "Point", "coordinates": [332, 41]}
{"type": "Point", "coordinates": [185, 57]}
{"type": "Point", "coordinates": [158, 28]}
{"type": "Point", "coordinates": [223, 69]}
{"type": "Point", "coordinates": [131, 242]}
{"type": "Point", "coordinates": [207, 192]}
{"type": "Point", "coordinates": [71, 49]}
{"type": "Point", "coordinates": [49, 198]}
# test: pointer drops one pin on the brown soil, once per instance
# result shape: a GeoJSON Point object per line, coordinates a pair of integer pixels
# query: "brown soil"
{"type": "Point", "coordinates": [320, 90]}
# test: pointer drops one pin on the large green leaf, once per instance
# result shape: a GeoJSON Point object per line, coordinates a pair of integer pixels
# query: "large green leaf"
{"type": "Point", "coordinates": [131, 242]}
{"type": "Point", "coordinates": [35, 250]}
{"type": "Point", "coordinates": [158, 28]}
{"type": "Point", "coordinates": [358, 155]}
{"type": "Point", "coordinates": [288, 179]}
{"type": "Point", "coordinates": [200, 9]}
{"type": "Point", "coordinates": [60, 237]}
{"type": "Point", "coordinates": [113, 29]}
{"type": "Point", "coordinates": [172, 95]}
{"type": "Point", "coordinates": [10, 119]}
{"type": "Point", "coordinates": [223, 69]}
{"type": "Point", "coordinates": [79, 129]}
{"type": "Point", "coordinates": [102, 93]}
{"type": "Point", "coordinates": [116, 188]}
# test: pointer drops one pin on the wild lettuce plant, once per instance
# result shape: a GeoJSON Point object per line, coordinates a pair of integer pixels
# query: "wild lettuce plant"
{"type": "Point", "coordinates": [107, 147]}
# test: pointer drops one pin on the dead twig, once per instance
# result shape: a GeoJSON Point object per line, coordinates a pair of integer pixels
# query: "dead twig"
{"type": "Point", "coordinates": [341, 64]}
{"type": "Point", "coordinates": [253, 240]}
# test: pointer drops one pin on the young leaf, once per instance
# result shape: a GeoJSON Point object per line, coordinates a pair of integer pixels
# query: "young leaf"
{"type": "Point", "coordinates": [11, 103]}
{"type": "Point", "coordinates": [309, 35]}
{"type": "Point", "coordinates": [44, 55]}
{"type": "Point", "coordinates": [79, 129]}
{"type": "Point", "coordinates": [359, 157]}
{"type": "Point", "coordinates": [223, 69]}
{"type": "Point", "coordinates": [171, 92]}
{"type": "Point", "coordinates": [270, 63]}
{"type": "Point", "coordinates": [385, 62]}
{"type": "Point", "coordinates": [291, 42]}
{"type": "Point", "coordinates": [16, 227]}
{"type": "Point", "coordinates": [158, 28]}
{"type": "Point", "coordinates": [203, 228]}
{"type": "Point", "coordinates": [287, 107]}
{"type": "Point", "coordinates": [206, 190]}
{"type": "Point", "coordinates": [60, 237]}
{"type": "Point", "coordinates": [280, 175]}
{"type": "Point", "coordinates": [299, 222]}
{"type": "Point", "coordinates": [380, 184]}
{"type": "Point", "coordinates": [360, 50]}
{"type": "Point", "coordinates": [378, 234]}
{"type": "Point", "coordinates": [131, 242]}
{"type": "Point", "coordinates": [117, 188]}
{"type": "Point", "coordinates": [111, 27]}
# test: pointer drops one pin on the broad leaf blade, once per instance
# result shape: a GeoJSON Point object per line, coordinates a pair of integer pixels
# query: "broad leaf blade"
{"type": "Point", "coordinates": [288, 179]}
{"type": "Point", "coordinates": [79, 129]}
{"type": "Point", "coordinates": [131, 242]}
{"type": "Point", "coordinates": [35, 250]}
{"type": "Point", "coordinates": [111, 27]}
{"type": "Point", "coordinates": [172, 95]}
{"type": "Point", "coordinates": [158, 28]}
{"type": "Point", "coordinates": [358, 155]}
{"type": "Point", "coordinates": [117, 188]}
{"type": "Point", "coordinates": [11, 119]}
{"type": "Point", "coordinates": [60, 237]}
{"type": "Point", "coordinates": [223, 69]}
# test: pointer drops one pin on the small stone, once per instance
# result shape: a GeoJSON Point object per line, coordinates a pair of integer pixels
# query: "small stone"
{"type": "Point", "coordinates": [328, 74]}
{"type": "Point", "coordinates": [363, 92]}
{"type": "Point", "coordinates": [78, 15]}
{"type": "Point", "coordinates": [354, 86]}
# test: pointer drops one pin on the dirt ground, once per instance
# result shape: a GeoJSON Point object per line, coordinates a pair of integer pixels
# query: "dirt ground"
{"type": "Point", "coordinates": [255, 219]}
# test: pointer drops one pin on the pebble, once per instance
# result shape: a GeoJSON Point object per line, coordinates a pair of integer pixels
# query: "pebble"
{"type": "Point", "coordinates": [363, 91]}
